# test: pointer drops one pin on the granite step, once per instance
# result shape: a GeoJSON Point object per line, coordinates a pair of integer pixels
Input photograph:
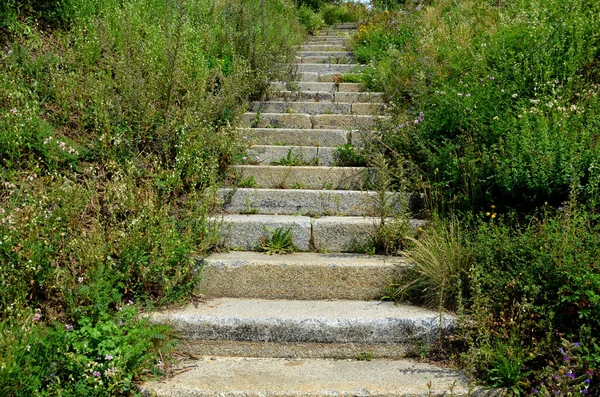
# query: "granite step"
{"type": "Point", "coordinates": [298, 155]}
{"type": "Point", "coordinates": [312, 321]}
{"type": "Point", "coordinates": [301, 276]}
{"type": "Point", "coordinates": [303, 177]}
{"type": "Point", "coordinates": [270, 377]}
{"type": "Point", "coordinates": [306, 202]}
{"type": "Point", "coordinates": [295, 137]}
{"type": "Point", "coordinates": [324, 234]}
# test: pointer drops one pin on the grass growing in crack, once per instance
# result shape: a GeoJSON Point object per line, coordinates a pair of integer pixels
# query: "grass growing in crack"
{"type": "Point", "coordinates": [290, 159]}
{"type": "Point", "coordinates": [280, 242]}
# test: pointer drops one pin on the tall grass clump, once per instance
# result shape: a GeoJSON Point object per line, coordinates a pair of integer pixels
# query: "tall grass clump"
{"type": "Point", "coordinates": [118, 123]}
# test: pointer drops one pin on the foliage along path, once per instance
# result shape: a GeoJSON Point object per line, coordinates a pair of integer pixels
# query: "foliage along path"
{"type": "Point", "coordinates": [307, 323]}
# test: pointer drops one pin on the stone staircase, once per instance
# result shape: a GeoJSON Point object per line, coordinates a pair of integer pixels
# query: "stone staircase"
{"type": "Point", "coordinates": [308, 323]}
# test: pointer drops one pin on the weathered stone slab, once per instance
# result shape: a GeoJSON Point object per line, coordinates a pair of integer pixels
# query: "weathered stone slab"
{"type": "Point", "coordinates": [298, 137]}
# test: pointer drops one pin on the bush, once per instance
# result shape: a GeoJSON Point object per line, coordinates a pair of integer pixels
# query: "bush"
{"type": "Point", "coordinates": [117, 120]}
{"type": "Point", "coordinates": [509, 106]}
{"type": "Point", "coordinates": [311, 21]}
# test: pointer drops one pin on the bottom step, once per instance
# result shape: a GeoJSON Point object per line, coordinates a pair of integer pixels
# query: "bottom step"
{"type": "Point", "coordinates": [226, 376]}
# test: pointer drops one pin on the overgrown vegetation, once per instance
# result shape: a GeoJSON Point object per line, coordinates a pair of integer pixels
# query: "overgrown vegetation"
{"type": "Point", "coordinates": [116, 120]}
{"type": "Point", "coordinates": [495, 116]}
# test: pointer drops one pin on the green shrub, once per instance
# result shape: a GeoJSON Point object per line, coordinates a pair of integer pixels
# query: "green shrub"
{"type": "Point", "coordinates": [509, 106]}
{"type": "Point", "coordinates": [118, 123]}
{"type": "Point", "coordinates": [311, 21]}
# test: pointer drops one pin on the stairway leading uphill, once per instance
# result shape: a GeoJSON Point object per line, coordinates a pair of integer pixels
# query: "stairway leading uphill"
{"type": "Point", "coordinates": [307, 323]}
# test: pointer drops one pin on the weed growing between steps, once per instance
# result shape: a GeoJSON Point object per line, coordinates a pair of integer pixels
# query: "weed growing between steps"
{"type": "Point", "coordinates": [280, 241]}
{"type": "Point", "coordinates": [116, 127]}
{"type": "Point", "coordinates": [495, 117]}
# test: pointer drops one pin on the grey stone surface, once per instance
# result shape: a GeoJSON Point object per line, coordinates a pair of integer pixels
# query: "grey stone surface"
{"type": "Point", "coordinates": [339, 54]}
{"type": "Point", "coordinates": [245, 231]}
{"type": "Point", "coordinates": [282, 177]}
{"type": "Point", "coordinates": [360, 97]}
{"type": "Point", "coordinates": [340, 351]}
{"type": "Point", "coordinates": [302, 201]}
{"type": "Point", "coordinates": [342, 121]}
{"type": "Point", "coordinates": [302, 107]}
{"type": "Point", "coordinates": [323, 47]}
{"type": "Point", "coordinates": [347, 234]}
{"type": "Point", "coordinates": [304, 276]}
{"type": "Point", "coordinates": [319, 321]}
{"type": "Point", "coordinates": [317, 96]}
{"type": "Point", "coordinates": [325, 59]}
{"type": "Point", "coordinates": [263, 377]}
{"type": "Point", "coordinates": [275, 120]}
{"type": "Point", "coordinates": [326, 67]}
{"type": "Point", "coordinates": [313, 155]}
{"type": "Point", "coordinates": [298, 137]}
{"type": "Point", "coordinates": [351, 87]}
{"type": "Point", "coordinates": [368, 108]}
{"type": "Point", "coordinates": [309, 77]}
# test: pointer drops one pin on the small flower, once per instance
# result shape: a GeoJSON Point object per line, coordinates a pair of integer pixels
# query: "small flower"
{"type": "Point", "coordinates": [108, 357]}
{"type": "Point", "coordinates": [37, 317]}
{"type": "Point", "coordinates": [496, 118]}
{"type": "Point", "coordinates": [460, 94]}
{"type": "Point", "coordinates": [560, 208]}
{"type": "Point", "coordinates": [468, 95]}
{"type": "Point", "coordinates": [80, 280]}
{"type": "Point", "coordinates": [515, 95]}
{"type": "Point", "coordinates": [576, 344]}
{"type": "Point", "coordinates": [68, 327]}
{"type": "Point", "coordinates": [13, 111]}
{"type": "Point", "coordinates": [493, 215]}
{"type": "Point", "coordinates": [96, 373]}
{"type": "Point", "coordinates": [571, 375]}
{"type": "Point", "coordinates": [492, 206]}
{"type": "Point", "coordinates": [487, 214]}
{"type": "Point", "coordinates": [244, 158]}
{"type": "Point", "coordinates": [492, 77]}
{"type": "Point", "coordinates": [566, 358]}
{"type": "Point", "coordinates": [587, 381]}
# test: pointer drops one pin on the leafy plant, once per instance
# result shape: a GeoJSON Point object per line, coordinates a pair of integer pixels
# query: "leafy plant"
{"type": "Point", "coordinates": [350, 156]}
{"type": "Point", "coordinates": [280, 242]}
{"type": "Point", "coordinates": [290, 159]}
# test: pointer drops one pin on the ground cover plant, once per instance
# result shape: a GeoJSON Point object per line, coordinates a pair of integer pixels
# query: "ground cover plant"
{"type": "Point", "coordinates": [495, 118]}
{"type": "Point", "coordinates": [117, 123]}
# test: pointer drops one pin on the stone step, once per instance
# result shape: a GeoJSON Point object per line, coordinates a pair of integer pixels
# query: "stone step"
{"type": "Point", "coordinates": [295, 137]}
{"type": "Point", "coordinates": [309, 77]}
{"type": "Point", "coordinates": [299, 155]}
{"type": "Point", "coordinates": [321, 87]}
{"type": "Point", "coordinates": [324, 96]}
{"type": "Point", "coordinates": [323, 47]}
{"type": "Point", "coordinates": [305, 202]}
{"type": "Point", "coordinates": [343, 121]}
{"type": "Point", "coordinates": [324, 68]}
{"type": "Point", "coordinates": [314, 321]}
{"type": "Point", "coordinates": [339, 351]}
{"type": "Point", "coordinates": [270, 377]}
{"type": "Point", "coordinates": [325, 59]}
{"type": "Point", "coordinates": [339, 54]}
{"type": "Point", "coordinates": [312, 108]}
{"type": "Point", "coordinates": [307, 121]}
{"type": "Point", "coordinates": [358, 97]}
{"type": "Point", "coordinates": [325, 234]}
{"type": "Point", "coordinates": [303, 177]}
{"type": "Point", "coordinates": [326, 40]}
{"type": "Point", "coordinates": [318, 108]}
{"type": "Point", "coordinates": [303, 96]}
{"type": "Point", "coordinates": [276, 120]}
{"type": "Point", "coordinates": [302, 276]}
